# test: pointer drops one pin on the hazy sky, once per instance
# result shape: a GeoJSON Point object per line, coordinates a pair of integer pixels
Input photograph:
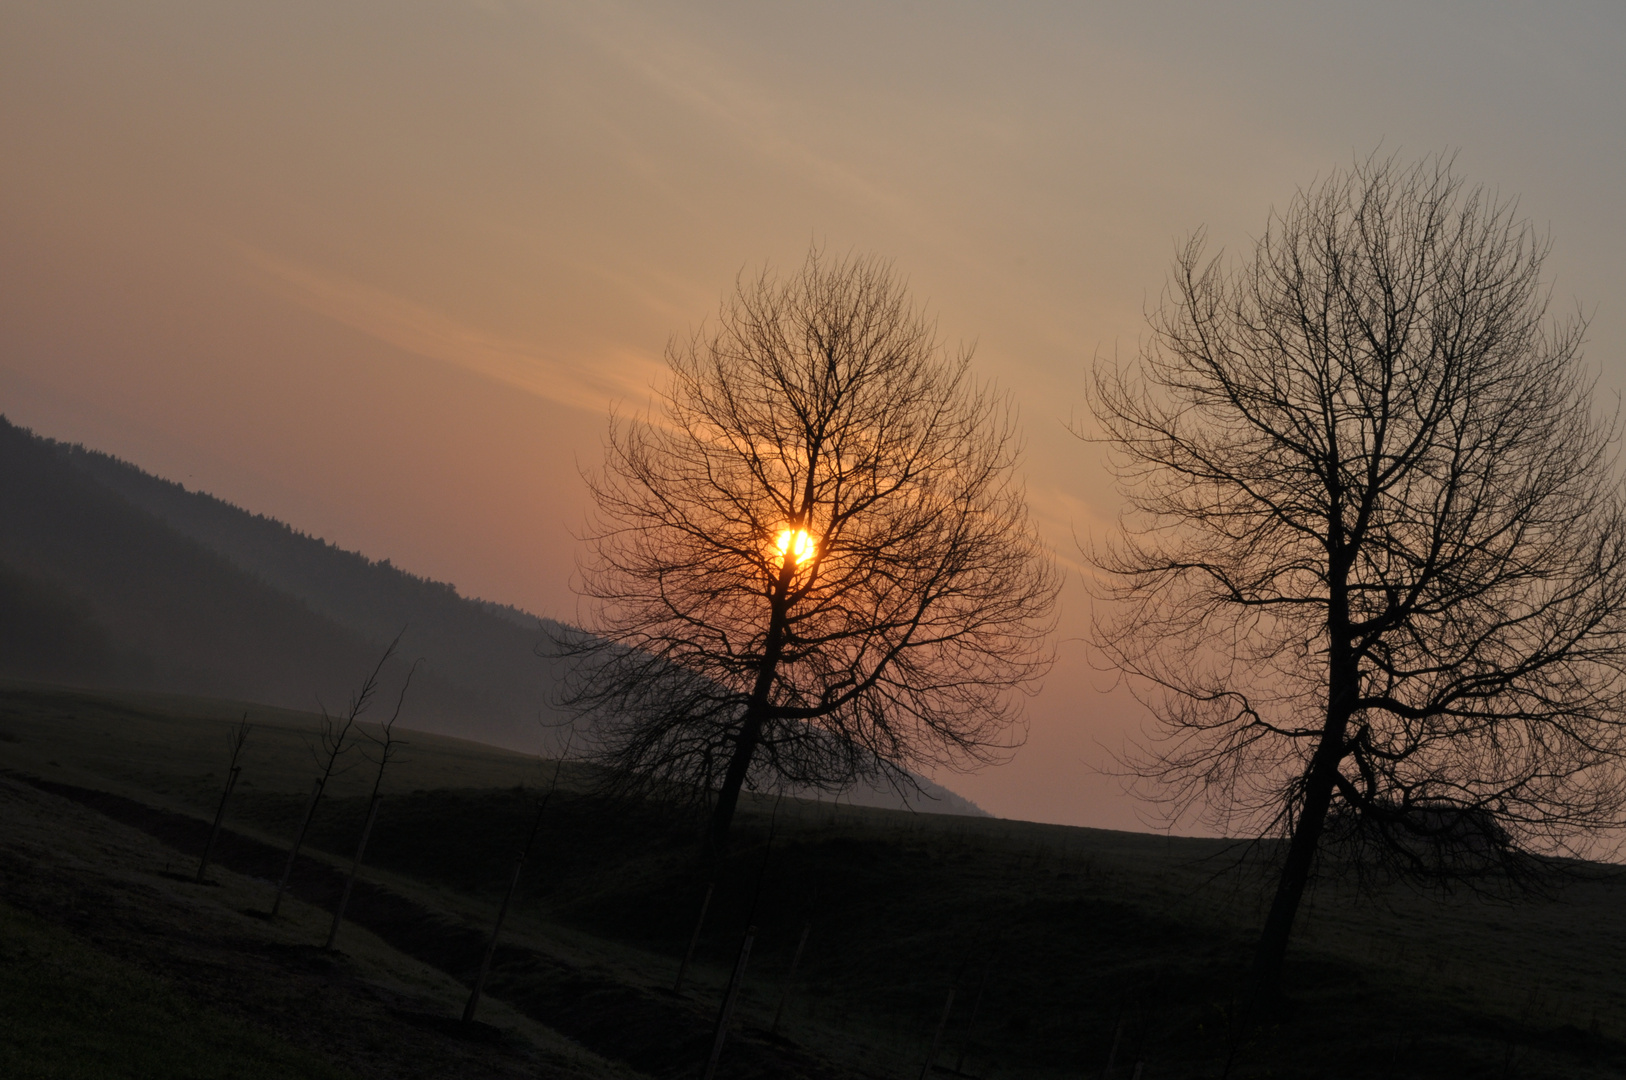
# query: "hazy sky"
{"type": "Point", "coordinates": [380, 269]}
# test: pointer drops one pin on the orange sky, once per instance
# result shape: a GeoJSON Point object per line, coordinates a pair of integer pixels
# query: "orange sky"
{"type": "Point", "coordinates": [379, 269]}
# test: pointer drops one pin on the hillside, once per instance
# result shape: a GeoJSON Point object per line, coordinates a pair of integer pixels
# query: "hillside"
{"type": "Point", "coordinates": [98, 592]}
{"type": "Point", "coordinates": [114, 578]}
{"type": "Point", "coordinates": [484, 653]}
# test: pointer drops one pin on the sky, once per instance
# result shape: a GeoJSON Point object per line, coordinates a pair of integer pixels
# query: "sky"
{"type": "Point", "coordinates": [381, 269]}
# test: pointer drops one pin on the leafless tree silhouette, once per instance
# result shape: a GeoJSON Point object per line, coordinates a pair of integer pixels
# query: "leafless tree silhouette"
{"type": "Point", "coordinates": [813, 562]}
{"type": "Point", "coordinates": [237, 739]}
{"type": "Point", "coordinates": [386, 745]}
{"type": "Point", "coordinates": [1372, 575]}
{"type": "Point", "coordinates": [335, 742]}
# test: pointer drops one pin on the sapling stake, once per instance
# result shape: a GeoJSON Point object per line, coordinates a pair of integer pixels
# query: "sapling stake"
{"type": "Point", "coordinates": [694, 938]}
{"type": "Point", "coordinates": [1117, 1036]}
{"type": "Point", "coordinates": [388, 745]}
{"type": "Point", "coordinates": [299, 841]}
{"type": "Point", "coordinates": [350, 879]}
{"type": "Point", "coordinates": [976, 1006]}
{"type": "Point", "coordinates": [334, 734]}
{"type": "Point", "coordinates": [508, 895]}
{"type": "Point", "coordinates": [937, 1038]}
{"type": "Point", "coordinates": [737, 980]}
{"type": "Point", "coordinates": [784, 995]}
{"type": "Point", "coordinates": [726, 1014]}
{"type": "Point", "coordinates": [238, 737]}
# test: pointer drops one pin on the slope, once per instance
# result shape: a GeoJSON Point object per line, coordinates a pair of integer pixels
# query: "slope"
{"type": "Point", "coordinates": [95, 591]}
{"type": "Point", "coordinates": [488, 652]}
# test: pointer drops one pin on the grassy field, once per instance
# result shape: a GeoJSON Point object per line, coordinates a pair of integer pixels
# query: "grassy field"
{"type": "Point", "coordinates": [1058, 943]}
{"type": "Point", "coordinates": [71, 1008]}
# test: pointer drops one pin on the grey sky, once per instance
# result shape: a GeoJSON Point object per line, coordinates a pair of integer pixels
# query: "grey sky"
{"type": "Point", "coordinates": [380, 268]}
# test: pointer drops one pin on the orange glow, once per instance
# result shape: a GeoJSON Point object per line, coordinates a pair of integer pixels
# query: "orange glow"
{"type": "Point", "coordinates": [795, 544]}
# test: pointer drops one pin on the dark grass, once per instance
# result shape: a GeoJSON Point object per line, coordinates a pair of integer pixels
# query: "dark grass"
{"type": "Point", "coordinates": [1066, 934]}
{"type": "Point", "coordinates": [1063, 941]}
{"type": "Point", "coordinates": [70, 1011]}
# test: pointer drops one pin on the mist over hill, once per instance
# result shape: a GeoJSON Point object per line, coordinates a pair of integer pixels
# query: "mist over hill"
{"type": "Point", "coordinates": [485, 654]}
{"type": "Point", "coordinates": [111, 577]}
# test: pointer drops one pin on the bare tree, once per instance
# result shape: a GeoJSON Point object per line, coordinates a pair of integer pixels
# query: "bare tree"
{"type": "Point", "coordinates": [335, 743]}
{"type": "Point", "coordinates": [1372, 579]}
{"type": "Point", "coordinates": [813, 562]}
{"type": "Point", "coordinates": [385, 747]}
{"type": "Point", "coordinates": [520, 858]}
{"type": "Point", "coordinates": [236, 739]}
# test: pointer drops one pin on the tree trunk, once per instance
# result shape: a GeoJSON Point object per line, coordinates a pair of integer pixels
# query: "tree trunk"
{"type": "Point", "coordinates": [508, 897]}
{"type": "Point", "coordinates": [355, 866]}
{"type": "Point", "coordinates": [491, 944]}
{"type": "Point", "coordinates": [299, 841]}
{"type": "Point", "coordinates": [745, 745]}
{"type": "Point", "coordinates": [220, 815]}
{"type": "Point", "coordinates": [1343, 686]}
{"type": "Point", "coordinates": [1301, 851]}
{"type": "Point", "coordinates": [722, 816]}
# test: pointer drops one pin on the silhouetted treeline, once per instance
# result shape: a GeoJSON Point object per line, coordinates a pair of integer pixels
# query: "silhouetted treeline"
{"type": "Point", "coordinates": [111, 577]}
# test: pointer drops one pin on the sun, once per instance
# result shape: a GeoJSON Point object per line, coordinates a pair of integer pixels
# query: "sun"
{"type": "Point", "coordinates": [795, 544]}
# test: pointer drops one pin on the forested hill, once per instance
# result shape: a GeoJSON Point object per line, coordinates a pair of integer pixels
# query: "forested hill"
{"type": "Point", "coordinates": [112, 577]}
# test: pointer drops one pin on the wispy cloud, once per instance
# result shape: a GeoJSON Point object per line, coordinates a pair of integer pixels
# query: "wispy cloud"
{"type": "Point", "coordinates": [588, 383]}
{"type": "Point", "coordinates": [687, 72]}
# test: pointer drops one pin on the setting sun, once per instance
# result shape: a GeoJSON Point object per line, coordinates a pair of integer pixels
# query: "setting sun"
{"type": "Point", "coordinates": [795, 543]}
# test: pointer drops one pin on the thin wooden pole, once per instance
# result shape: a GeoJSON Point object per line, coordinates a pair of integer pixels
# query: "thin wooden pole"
{"type": "Point", "coordinates": [355, 864]}
{"type": "Point", "coordinates": [388, 746]}
{"type": "Point", "coordinates": [333, 734]}
{"type": "Point", "coordinates": [976, 1006]}
{"type": "Point", "coordinates": [784, 995]}
{"type": "Point", "coordinates": [220, 815]}
{"type": "Point", "coordinates": [726, 1014]}
{"type": "Point", "coordinates": [1112, 1055]}
{"type": "Point", "coordinates": [937, 1039]}
{"type": "Point", "coordinates": [694, 939]}
{"type": "Point", "coordinates": [508, 896]}
{"type": "Point", "coordinates": [736, 981]}
{"type": "Point", "coordinates": [491, 945]}
{"type": "Point", "coordinates": [299, 841]}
